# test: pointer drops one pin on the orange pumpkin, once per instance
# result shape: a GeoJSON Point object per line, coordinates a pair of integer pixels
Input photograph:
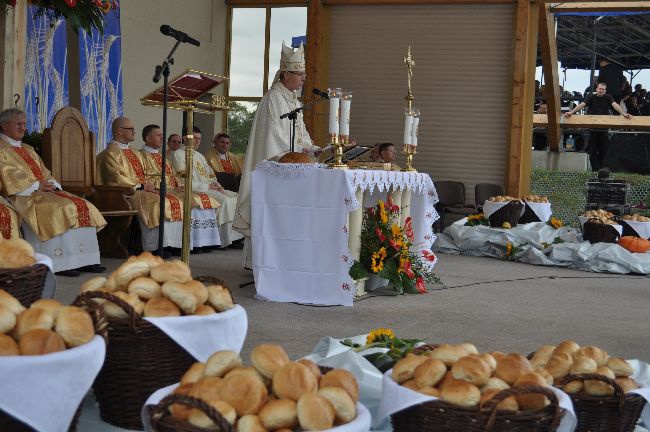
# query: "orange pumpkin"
{"type": "Point", "coordinates": [634, 244]}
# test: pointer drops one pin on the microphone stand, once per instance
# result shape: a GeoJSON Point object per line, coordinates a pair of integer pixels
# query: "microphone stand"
{"type": "Point", "coordinates": [164, 69]}
{"type": "Point", "coordinates": [292, 115]}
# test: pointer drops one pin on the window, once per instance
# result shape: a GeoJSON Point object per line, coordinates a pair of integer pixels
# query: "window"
{"type": "Point", "coordinates": [256, 36]}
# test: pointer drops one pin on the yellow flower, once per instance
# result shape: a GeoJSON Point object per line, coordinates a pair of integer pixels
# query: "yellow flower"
{"type": "Point", "coordinates": [557, 222]}
{"type": "Point", "coordinates": [380, 335]}
{"type": "Point", "coordinates": [396, 231]}
{"type": "Point", "coordinates": [474, 217]}
{"type": "Point", "coordinates": [382, 212]}
{"type": "Point", "coordinates": [377, 263]}
{"type": "Point", "coordinates": [382, 253]}
{"type": "Point", "coordinates": [508, 249]}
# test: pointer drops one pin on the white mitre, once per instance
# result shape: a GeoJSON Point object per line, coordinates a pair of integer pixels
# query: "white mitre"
{"type": "Point", "coordinates": [290, 60]}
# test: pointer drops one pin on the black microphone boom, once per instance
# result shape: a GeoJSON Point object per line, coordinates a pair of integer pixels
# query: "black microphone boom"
{"type": "Point", "coordinates": [178, 35]}
{"type": "Point", "coordinates": [320, 93]}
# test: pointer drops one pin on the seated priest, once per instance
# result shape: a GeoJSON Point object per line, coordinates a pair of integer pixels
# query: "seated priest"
{"type": "Point", "coordinates": [386, 152]}
{"type": "Point", "coordinates": [204, 181]}
{"type": "Point", "coordinates": [223, 161]}
{"type": "Point", "coordinates": [173, 144]}
{"type": "Point", "coordinates": [119, 165]}
{"type": "Point", "coordinates": [56, 223]}
{"type": "Point", "coordinates": [204, 230]}
{"type": "Point", "coordinates": [9, 223]}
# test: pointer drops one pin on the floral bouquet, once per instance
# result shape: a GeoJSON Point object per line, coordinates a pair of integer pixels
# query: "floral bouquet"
{"type": "Point", "coordinates": [384, 338]}
{"type": "Point", "coordinates": [85, 14]}
{"type": "Point", "coordinates": [387, 250]}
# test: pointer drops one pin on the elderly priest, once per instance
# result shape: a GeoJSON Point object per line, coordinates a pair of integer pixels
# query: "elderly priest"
{"type": "Point", "coordinates": [56, 223]}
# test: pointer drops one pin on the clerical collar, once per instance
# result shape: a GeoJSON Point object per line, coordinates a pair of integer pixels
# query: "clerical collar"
{"type": "Point", "coordinates": [122, 145]}
{"type": "Point", "coordinates": [290, 95]}
{"type": "Point", "coordinates": [149, 149]}
{"type": "Point", "coordinates": [13, 142]}
{"type": "Point", "coordinates": [222, 156]}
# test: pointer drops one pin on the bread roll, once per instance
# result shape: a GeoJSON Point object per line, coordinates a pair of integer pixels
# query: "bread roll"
{"type": "Point", "coordinates": [251, 423]}
{"type": "Point", "coordinates": [181, 411]}
{"type": "Point", "coordinates": [11, 302]}
{"type": "Point", "coordinates": [198, 290]}
{"type": "Point", "coordinates": [315, 412]}
{"type": "Point", "coordinates": [568, 347]}
{"type": "Point", "coordinates": [627, 384]}
{"type": "Point", "coordinates": [267, 358]}
{"type": "Point", "coordinates": [31, 319]}
{"type": "Point", "coordinates": [145, 288]}
{"type": "Point", "coordinates": [75, 326]}
{"type": "Point", "coordinates": [204, 310]}
{"type": "Point", "coordinates": [129, 271]}
{"type": "Point", "coordinates": [620, 367]}
{"type": "Point", "coordinates": [293, 380]}
{"type": "Point", "coordinates": [583, 365]}
{"type": "Point", "coordinates": [404, 369]}
{"type": "Point", "coordinates": [40, 341]}
{"type": "Point", "coordinates": [448, 354]}
{"type": "Point", "coordinates": [491, 361]}
{"type": "Point", "coordinates": [16, 253]}
{"type": "Point", "coordinates": [181, 295]}
{"type": "Point", "coordinates": [511, 366]}
{"type": "Point", "coordinates": [468, 348]}
{"type": "Point", "coordinates": [150, 259]}
{"type": "Point", "coordinates": [193, 374]}
{"type": "Point", "coordinates": [50, 305]}
{"type": "Point", "coordinates": [573, 387]}
{"type": "Point", "coordinates": [248, 370]}
{"type": "Point", "coordinates": [221, 362]}
{"type": "Point", "coordinates": [559, 365]}
{"type": "Point", "coordinates": [497, 355]}
{"type": "Point", "coordinates": [171, 271]}
{"type": "Point", "coordinates": [7, 319]}
{"type": "Point", "coordinates": [161, 307]}
{"type": "Point", "coordinates": [313, 367]}
{"type": "Point", "coordinates": [111, 284]}
{"type": "Point", "coordinates": [598, 388]}
{"type": "Point", "coordinates": [542, 355]}
{"type": "Point", "coordinates": [8, 346]}
{"type": "Point", "coordinates": [410, 384]}
{"type": "Point", "coordinates": [605, 371]}
{"type": "Point", "coordinates": [219, 298]}
{"type": "Point", "coordinates": [494, 384]}
{"type": "Point", "coordinates": [546, 375]}
{"type": "Point", "coordinates": [207, 388]}
{"type": "Point", "coordinates": [531, 401]}
{"type": "Point", "coordinates": [343, 379]}
{"type": "Point", "coordinates": [599, 355]}
{"type": "Point", "coordinates": [279, 413]}
{"type": "Point", "coordinates": [429, 391]}
{"type": "Point", "coordinates": [115, 311]}
{"type": "Point", "coordinates": [460, 393]}
{"type": "Point", "coordinates": [472, 369]}
{"type": "Point", "coordinates": [429, 373]}
{"type": "Point", "coordinates": [507, 404]}
{"type": "Point", "coordinates": [245, 393]}
{"type": "Point", "coordinates": [94, 284]}
{"type": "Point", "coordinates": [200, 419]}
{"type": "Point", "coordinates": [344, 408]}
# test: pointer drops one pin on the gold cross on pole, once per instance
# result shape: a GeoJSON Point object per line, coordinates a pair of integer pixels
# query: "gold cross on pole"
{"type": "Point", "coordinates": [408, 61]}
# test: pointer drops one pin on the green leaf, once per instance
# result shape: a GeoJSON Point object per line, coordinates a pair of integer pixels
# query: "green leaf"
{"type": "Point", "coordinates": [381, 361]}
{"type": "Point", "coordinates": [358, 271]}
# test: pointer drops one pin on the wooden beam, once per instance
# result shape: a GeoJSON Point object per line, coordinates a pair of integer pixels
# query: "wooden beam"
{"type": "Point", "coordinates": [604, 6]}
{"type": "Point", "coordinates": [412, 2]}
{"type": "Point", "coordinates": [518, 163]}
{"type": "Point", "coordinates": [640, 123]}
{"type": "Point", "coordinates": [548, 46]}
{"type": "Point", "coordinates": [317, 66]}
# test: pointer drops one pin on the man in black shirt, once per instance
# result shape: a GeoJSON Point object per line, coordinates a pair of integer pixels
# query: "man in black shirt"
{"type": "Point", "coordinates": [612, 75]}
{"type": "Point", "coordinates": [598, 104]}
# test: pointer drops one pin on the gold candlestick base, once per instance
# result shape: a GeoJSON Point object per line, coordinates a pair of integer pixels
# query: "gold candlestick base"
{"type": "Point", "coordinates": [409, 151]}
{"type": "Point", "coordinates": [338, 153]}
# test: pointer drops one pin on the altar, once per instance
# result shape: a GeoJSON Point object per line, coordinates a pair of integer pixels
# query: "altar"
{"type": "Point", "coordinates": [306, 225]}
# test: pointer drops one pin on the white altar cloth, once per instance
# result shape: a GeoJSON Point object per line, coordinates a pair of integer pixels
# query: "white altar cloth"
{"type": "Point", "coordinates": [304, 218]}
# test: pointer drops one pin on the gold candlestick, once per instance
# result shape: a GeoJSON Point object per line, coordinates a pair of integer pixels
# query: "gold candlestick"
{"type": "Point", "coordinates": [409, 149]}
{"type": "Point", "coordinates": [337, 145]}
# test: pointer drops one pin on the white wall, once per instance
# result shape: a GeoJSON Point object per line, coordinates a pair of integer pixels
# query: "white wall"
{"type": "Point", "coordinates": [143, 47]}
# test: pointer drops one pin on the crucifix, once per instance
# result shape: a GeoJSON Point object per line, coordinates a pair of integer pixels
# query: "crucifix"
{"type": "Point", "coordinates": [408, 61]}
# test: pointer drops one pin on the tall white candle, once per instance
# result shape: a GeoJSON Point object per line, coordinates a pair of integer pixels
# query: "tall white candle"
{"type": "Point", "coordinates": [335, 95]}
{"type": "Point", "coordinates": [408, 123]}
{"type": "Point", "coordinates": [344, 129]}
{"type": "Point", "coordinates": [414, 130]}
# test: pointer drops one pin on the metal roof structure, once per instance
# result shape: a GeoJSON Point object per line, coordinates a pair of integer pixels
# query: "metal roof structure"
{"type": "Point", "coordinates": [622, 38]}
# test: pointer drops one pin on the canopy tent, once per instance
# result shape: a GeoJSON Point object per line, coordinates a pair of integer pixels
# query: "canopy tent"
{"type": "Point", "coordinates": [621, 37]}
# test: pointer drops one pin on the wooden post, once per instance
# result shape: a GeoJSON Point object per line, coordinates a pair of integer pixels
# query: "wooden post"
{"type": "Point", "coordinates": [518, 165]}
{"type": "Point", "coordinates": [14, 40]}
{"type": "Point", "coordinates": [74, 66]}
{"type": "Point", "coordinates": [316, 63]}
{"type": "Point", "coordinates": [548, 46]}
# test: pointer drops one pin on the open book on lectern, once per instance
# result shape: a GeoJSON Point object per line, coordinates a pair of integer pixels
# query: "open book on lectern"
{"type": "Point", "coordinates": [350, 153]}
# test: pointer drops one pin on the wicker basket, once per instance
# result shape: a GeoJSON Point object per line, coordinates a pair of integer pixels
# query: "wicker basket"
{"type": "Point", "coordinates": [595, 231]}
{"type": "Point", "coordinates": [140, 359]}
{"type": "Point", "coordinates": [24, 283]}
{"type": "Point", "coordinates": [528, 216]}
{"type": "Point", "coordinates": [508, 213]}
{"type": "Point", "coordinates": [441, 416]}
{"type": "Point", "coordinates": [616, 413]}
{"type": "Point", "coordinates": [10, 424]}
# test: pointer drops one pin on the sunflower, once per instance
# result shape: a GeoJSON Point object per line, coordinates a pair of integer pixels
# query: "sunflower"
{"type": "Point", "coordinates": [383, 215]}
{"type": "Point", "coordinates": [396, 231]}
{"type": "Point", "coordinates": [380, 335]}
{"type": "Point", "coordinates": [556, 222]}
{"type": "Point", "coordinates": [508, 249]}
{"type": "Point", "coordinates": [377, 263]}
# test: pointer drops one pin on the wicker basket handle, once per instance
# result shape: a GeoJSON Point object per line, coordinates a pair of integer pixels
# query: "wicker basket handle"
{"type": "Point", "coordinates": [521, 390]}
{"type": "Point", "coordinates": [421, 349]}
{"type": "Point", "coordinates": [157, 412]}
{"type": "Point", "coordinates": [134, 317]}
{"type": "Point", "coordinates": [618, 391]}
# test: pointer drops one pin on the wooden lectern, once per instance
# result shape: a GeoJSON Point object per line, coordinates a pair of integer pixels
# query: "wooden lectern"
{"type": "Point", "coordinates": [189, 92]}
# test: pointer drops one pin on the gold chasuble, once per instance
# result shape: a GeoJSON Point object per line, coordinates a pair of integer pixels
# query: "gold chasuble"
{"type": "Point", "coordinates": [119, 165]}
{"type": "Point", "coordinates": [48, 214]}
{"type": "Point", "coordinates": [230, 164]}
{"type": "Point", "coordinates": [153, 169]}
{"type": "Point", "coordinates": [9, 223]}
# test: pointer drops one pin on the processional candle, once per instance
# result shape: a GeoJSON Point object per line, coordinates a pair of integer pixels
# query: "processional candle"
{"type": "Point", "coordinates": [335, 98]}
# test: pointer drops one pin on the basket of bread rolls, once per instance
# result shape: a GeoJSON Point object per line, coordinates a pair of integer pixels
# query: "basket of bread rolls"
{"type": "Point", "coordinates": [271, 395]}
{"type": "Point", "coordinates": [503, 211]}
{"type": "Point", "coordinates": [140, 357]}
{"type": "Point", "coordinates": [598, 385]}
{"type": "Point", "coordinates": [471, 392]}
{"type": "Point", "coordinates": [635, 225]}
{"type": "Point", "coordinates": [535, 205]}
{"type": "Point", "coordinates": [19, 273]}
{"type": "Point", "coordinates": [42, 332]}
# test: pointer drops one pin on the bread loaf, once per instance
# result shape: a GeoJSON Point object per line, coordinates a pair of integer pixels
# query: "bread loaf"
{"type": "Point", "coordinates": [171, 271]}
{"type": "Point", "coordinates": [344, 379]}
{"type": "Point", "coordinates": [8, 346]}
{"type": "Point", "coordinates": [40, 341]}
{"type": "Point", "coordinates": [204, 310]}
{"type": "Point", "coordinates": [193, 374]}
{"type": "Point", "coordinates": [10, 302]}
{"type": "Point", "coordinates": [7, 319]}
{"type": "Point", "coordinates": [16, 253]}
{"type": "Point", "coordinates": [460, 393]}
{"type": "Point", "coordinates": [279, 413]}
{"type": "Point", "coordinates": [313, 368]}
{"type": "Point", "coordinates": [245, 393]}
{"type": "Point", "coordinates": [181, 295]}
{"type": "Point", "coordinates": [161, 307]}
{"type": "Point", "coordinates": [31, 319]}
{"type": "Point", "coordinates": [293, 380]}
{"type": "Point", "coordinates": [219, 363]}
{"type": "Point", "coordinates": [50, 305]}
{"type": "Point", "coordinates": [344, 408]}
{"type": "Point", "coordinates": [511, 366]}
{"type": "Point", "coordinates": [507, 404]}
{"type": "Point", "coordinates": [267, 358]}
{"type": "Point", "coordinates": [315, 412]}
{"type": "Point", "coordinates": [472, 369]}
{"type": "Point", "coordinates": [75, 326]}
{"type": "Point", "coordinates": [429, 373]}
{"type": "Point", "coordinates": [145, 288]}
{"type": "Point", "coordinates": [219, 298]}
{"type": "Point", "coordinates": [620, 367]}
{"type": "Point", "coordinates": [198, 290]}
{"type": "Point", "coordinates": [181, 411]}
{"type": "Point", "coordinates": [129, 271]}
{"type": "Point", "coordinates": [531, 401]}
{"type": "Point", "coordinates": [200, 419]}
{"type": "Point", "coordinates": [404, 369]}
{"type": "Point", "coordinates": [207, 388]}
{"type": "Point", "coordinates": [251, 423]}
{"type": "Point", "coordinates": [115, 311]}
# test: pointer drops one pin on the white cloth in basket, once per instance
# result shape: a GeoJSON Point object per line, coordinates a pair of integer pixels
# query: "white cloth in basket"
{"type": "Point", "coordinates": [45, 391]}
{"type": "Point", "coordinates": [542, 210]}
{"type": "Point", "coordinates": [359, 424]}
{"type": "Point", "coordinates": [490, 207]}
{"type": "Point", "coordinates": [396, 398]}
{"type": "Point", "coordinates": [642, 376]}
{"type": "Point", "coordinates": [202, 335]}
{"type": "Point", "coordinates": [642, 228]}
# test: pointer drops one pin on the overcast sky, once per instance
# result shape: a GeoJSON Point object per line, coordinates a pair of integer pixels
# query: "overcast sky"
{"type": "Point", "coordinates": [578, 79]}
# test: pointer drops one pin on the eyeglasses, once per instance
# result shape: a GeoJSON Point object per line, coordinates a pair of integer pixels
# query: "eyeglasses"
{"type": "Point", "coordinates": [130, 129]}
{"type": "Point", "coordinates": [300, 74]}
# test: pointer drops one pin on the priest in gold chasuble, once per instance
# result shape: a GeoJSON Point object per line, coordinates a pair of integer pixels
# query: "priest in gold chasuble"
{"type": "Point", "coordinates": [203, 228]}
{"type": "Point", "coordinates": [9, 223]}
{"type": "Point", "coordinates": [56, 223]}
{"type": "Point", "coordinates": [220, 158]}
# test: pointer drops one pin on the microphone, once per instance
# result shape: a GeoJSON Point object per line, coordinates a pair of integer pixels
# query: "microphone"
{"type": "Point", "coordinates": [320, 93]}
{"type": "Point", "coordinates": [178, 35]}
